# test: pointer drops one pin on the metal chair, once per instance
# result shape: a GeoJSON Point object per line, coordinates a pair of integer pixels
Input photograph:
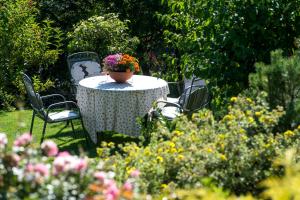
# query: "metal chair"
{"type": "Point", "coordinates": [82, 65]}
{"type": "Point", "coordinates": [194, 98]}
{"type": "Point", "coordinates": [57, 112]}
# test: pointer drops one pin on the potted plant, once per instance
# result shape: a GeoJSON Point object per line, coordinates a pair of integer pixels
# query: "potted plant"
{"type": "Point", "coordinates": [120, 66]}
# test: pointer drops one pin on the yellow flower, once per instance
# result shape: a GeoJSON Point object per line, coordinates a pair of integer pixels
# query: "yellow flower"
{"type": "Point", "coordinates": [163, 186]}
{"type": "Point", "coordinates": [228, 117]}
{"type": "Point", "coordinates": [298, 127]}
{"type": "Point", "coordinates": [257, 114]}
{"type": "Point", "coordinates": [233, 99]}
{"type": "Point", "coordinates": [178, 133]}
{"type": "Point", "coordinates": [223, 157]}
{"type": "Point", "coordinates": [110, 144]}
{"type": "Point", "coordinates": [249, 100]}
{"type": "Point", "coordinates": [289, 133]}
{"type": "Point", "coordinates": [160, 159]}
{"type": "Point", "coordinates": [209, 150]}
{"type": "Point", "coordinates": [180, 157]}
{"type": "Point", "coordinates": [250, 120]}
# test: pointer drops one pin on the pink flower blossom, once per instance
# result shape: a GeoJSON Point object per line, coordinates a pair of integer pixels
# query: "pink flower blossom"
{"type": "Point", "coordinates": [64, 154]}
{"type": "Point", "coordinates": [3, 140]}
{"type": "Point", "coordinates": [81, 164]}
{"type": "Point", "coordinates": [29, 167]}
{"type": "Point", "coordinates": [112, 192]}
{"type": "Point", "coordinates": [50, 148]}
{"type": "Point", "coordinates": [127, 186]}
{"type": "Point", "coordinates": [100, 176]}
{"type": "Point", "coordinates": [23, 140]}
{"type": "Point", "coordinates": [15, 158]}
{"type": "Point", "coordinates": [135, 173]}
{"type": "Point", "coordinates": [41, 169]}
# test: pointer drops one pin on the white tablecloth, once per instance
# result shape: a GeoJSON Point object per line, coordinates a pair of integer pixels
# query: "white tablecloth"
{"type": "Point", "coordinates": [107, 105]}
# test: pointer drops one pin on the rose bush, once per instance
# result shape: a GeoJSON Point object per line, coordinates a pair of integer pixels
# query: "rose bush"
{"type": "Point", "coordinates": [31, 173]}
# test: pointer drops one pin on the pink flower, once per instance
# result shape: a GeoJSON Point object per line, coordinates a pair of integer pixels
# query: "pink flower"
{"type": "Point", "coordinates": [15, 159]}
{"type": "Point", "coordinates": [29, 167]}
{"type": "Point", "coordinates": [100, 176]}
{"type": "Point", "coordinates": [112, 192]}
{"type": "Point", "coordinates": [59, 165]}
{"type": "Point", "coordinates": [135, 173]}
{"type": "Point", "coordinates": [64, 154]}
{"type": "Point", "coordinates": [41, 169]}
{"type": "Point", "coordinates": [3, 140]}
{"type": "Point", "coordinates": [81, 164]}
{"type": "Point", "coordinates": [127, 186]}
{"type": "Point", "coordinates": [50, 148]}
{"type": "Point", "coordinates": [23, 140]}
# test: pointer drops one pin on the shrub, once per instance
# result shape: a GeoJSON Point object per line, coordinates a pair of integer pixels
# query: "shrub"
{"type": "Point", "coordinates": [235, 152]}
{"type": "Point", "coordinates": [221, 40]}
{"type": "Point", "coordinates": [103, 34]}
{"type": "Point", "coordinates": [281, 81]}
{"type": "Point", "coordinates": [31, 173]}
{"type": "Point", "coordinates": [25, 45]}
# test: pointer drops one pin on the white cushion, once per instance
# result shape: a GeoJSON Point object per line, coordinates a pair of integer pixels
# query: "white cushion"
{"type": "Point", "coordinates": [170, 112]}
{"type": "Point", "coordinates": [84, 69]}
{"type": "Point", "coordinates": [173, 100]}
{"type": "Point", "coordinates": [63, 115]}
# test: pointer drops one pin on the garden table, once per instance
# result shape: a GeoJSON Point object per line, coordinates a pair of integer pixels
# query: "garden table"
{"type": "Point", "coordinates": [107, 105]}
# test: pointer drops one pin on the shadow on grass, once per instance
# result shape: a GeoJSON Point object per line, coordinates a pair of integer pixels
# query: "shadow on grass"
{"type": "Point", "coordinates": [117, 138]}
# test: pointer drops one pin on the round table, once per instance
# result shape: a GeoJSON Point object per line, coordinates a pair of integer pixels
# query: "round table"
{"type": "Point", "coordinates": [107, 105]}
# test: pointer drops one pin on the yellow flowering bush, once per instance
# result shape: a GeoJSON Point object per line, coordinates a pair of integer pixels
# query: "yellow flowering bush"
{"type": "Point", "coordinates": [235, 152]}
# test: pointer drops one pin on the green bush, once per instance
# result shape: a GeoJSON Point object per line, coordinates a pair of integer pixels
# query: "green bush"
{"type": "Point", "coordinates": [102, 34]}
{"type": "Point", "coordinates": [221, 40]}
{"type": "Point", "coordinates": [236, 152]}
{"type": "Point", "coordinates": [281, 81]}
{"type": "Point", "coordinates": [25, 45]}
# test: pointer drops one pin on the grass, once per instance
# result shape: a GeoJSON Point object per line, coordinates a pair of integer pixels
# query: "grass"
{"type": "Point", "coordinates": [18, 122]}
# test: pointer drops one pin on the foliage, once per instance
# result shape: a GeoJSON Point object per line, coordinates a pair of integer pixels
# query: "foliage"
{"type": "Point", "coordinates": [281, 81]}
{"type": "Point", "coordinates": [235, 152]}
{"type": "Point", "coordinates": [221, 40]}
{"type": "Point", "coordinates": [67, 13]}
{"type": "Point", "coordinates": [121, 63]}
{"type": "Point", "coordinates": [31, 173]}
{"type": "Point", "coordinates": [102, 34]}
{"type": "Point", "coordinates": [25, 45]}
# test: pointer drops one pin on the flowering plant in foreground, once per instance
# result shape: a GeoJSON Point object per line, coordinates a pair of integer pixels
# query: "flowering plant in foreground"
{"type": "Point", "coordinates": [121, 63]}
{"type": "Point", "coordinates": [31, 173]}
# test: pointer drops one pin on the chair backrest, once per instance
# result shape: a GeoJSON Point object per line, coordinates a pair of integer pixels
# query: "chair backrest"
{"type": "Point", "coordinates": [196, 98]}
{"type": "Point", "coordinates": [82, 65]}
{"type": "Point", "coordinates": [34, 98]}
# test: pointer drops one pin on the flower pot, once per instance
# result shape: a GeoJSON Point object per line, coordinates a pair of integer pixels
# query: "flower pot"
{"type": "Point", "coordinates": [120, 77]}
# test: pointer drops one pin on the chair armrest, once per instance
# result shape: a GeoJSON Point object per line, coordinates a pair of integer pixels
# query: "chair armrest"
{"type": "Point", "coordinates": [54, 105]}
{"type": "Point", "coordinates": [169, 103]}
{"type": "Point", "coordinates": [53, 95]}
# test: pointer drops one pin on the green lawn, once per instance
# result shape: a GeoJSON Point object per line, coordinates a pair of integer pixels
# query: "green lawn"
{"type": "Point", "coordinates": [17, 122]}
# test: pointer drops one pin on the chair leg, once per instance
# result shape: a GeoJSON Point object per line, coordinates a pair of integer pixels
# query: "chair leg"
{"type": "Point", "coordinates": [73, 129]}
{"type": "Point", "coordinates": [44, 130]}
{"type": "Point", "coordinates": [85, 132]}
{"type": "Point", "coordinates": [32, 120]}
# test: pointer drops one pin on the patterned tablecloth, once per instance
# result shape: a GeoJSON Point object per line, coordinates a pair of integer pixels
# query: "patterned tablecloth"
{"type": "Point", "coordinates": [107, 105]}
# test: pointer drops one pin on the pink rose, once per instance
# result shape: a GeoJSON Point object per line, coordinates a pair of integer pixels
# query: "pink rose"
{"type": "Point", "coordinates": [81, 164]}
{"type": "Point", "coordinates": [42, 169]}
{"type": "Point", "coordinates": [64, 154]}
{"type": "Point", "coordinates": [23, 140]}
{"type": "Point", "coordinates": [49, 148]}
{"type": "Point", "coordinates": [112, 192]}
{"type": "Point", "coordinates": [100, 176]}
{"type": "Point", "coordinates": [127, 186]}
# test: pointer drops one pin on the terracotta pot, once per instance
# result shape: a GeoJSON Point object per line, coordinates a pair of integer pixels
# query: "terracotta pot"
{"type": "Point", "coordinates": [120, 77]}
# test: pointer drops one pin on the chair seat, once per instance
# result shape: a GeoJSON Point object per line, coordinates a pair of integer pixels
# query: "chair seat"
{"type": "Point", "coordinates": [63, 115]}
{"type": "Point", "coordinates": [170, 112]}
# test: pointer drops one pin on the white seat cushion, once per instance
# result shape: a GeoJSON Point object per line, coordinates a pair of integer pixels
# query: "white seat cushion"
{"type": "Point", "coordinates": [173, 100]}
{"type": "Point", "coordinates": [170, 112]}
{"type": "Point", "coordinates": [63, 115]}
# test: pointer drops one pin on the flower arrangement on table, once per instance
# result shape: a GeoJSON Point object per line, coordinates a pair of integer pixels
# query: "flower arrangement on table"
{"type": "Point", "coordinates": [121, 63]}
